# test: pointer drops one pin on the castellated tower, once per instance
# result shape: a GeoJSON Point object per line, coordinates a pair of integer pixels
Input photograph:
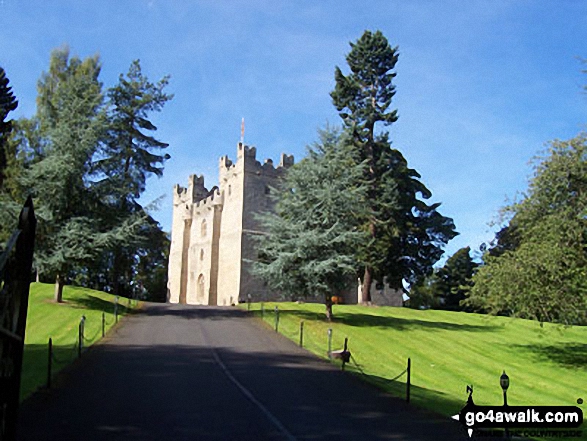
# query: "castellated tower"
{"type": "Point", "coordinates": [212, 231]}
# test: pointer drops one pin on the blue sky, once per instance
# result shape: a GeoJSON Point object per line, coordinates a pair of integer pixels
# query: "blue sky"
{"type": "Point", "coordinates": [481, 85]}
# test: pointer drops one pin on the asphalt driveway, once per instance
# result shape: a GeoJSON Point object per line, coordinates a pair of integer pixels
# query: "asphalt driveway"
{"type": "Point", "coordinates": [176, 372]}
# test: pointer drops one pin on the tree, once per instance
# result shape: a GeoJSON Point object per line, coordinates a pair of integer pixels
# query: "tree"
{"type": "Point", "coordinates": [454, 280]}
{"type": "Point", "coordinates": [69, 106]}
{"type": "Point", "coordinates": [405, 234]}
{"type": "Point", "coordinates": [543, 276]}
{"type": "Point", "coordinates": [310, 248]}
{"type": "Point", "coordinates": [128, 157]}
{"type": "Point", "coordinates": [8, 103]}
{"type": "Point", "coordinates": [71, 123]}
{"type": "Point", "coordinates": [447, 287]}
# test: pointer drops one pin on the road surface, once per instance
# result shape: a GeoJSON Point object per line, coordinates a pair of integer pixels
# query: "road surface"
{"type": "Point", "coordinates": [176, 372]}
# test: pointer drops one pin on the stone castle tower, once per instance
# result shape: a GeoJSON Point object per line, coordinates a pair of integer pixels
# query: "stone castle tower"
{"type": "Point", "coordinates": [211, 237]}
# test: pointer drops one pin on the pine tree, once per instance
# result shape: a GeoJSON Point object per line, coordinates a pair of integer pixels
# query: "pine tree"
{"type": "Point", "coordinates": [8, 103]}
{"type": "Point", "coordinates": [455, 279]}
{"type": "Point", "coordinates": [71, 121]}
{"type": "Point", "coordinates": [310, 247]}
{"type": "Point", "coordinates": [129, 156]}
{"type": "Point", "coordinates": [405, 234]}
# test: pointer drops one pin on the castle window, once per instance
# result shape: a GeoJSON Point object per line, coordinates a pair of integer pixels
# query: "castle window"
{"type": "Point", "coordinates": [200, 288]}
{"type": "Point", "coordinates": [203, 228]}
{"type": "Point", "coordinates": [267, 190]}
{"type": "Point", "coordinates": [229, 190]}
{"type": "Point", "coordinates": [201, 254]}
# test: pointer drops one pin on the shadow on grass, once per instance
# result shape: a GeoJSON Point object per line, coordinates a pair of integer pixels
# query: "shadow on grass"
{"type": "Point", "coordinates": [572, 355]}
{"type": "Point", "coordinates": [35, 365]}
{"type": "Point", "coordinates": [368, 320]}
{"type": "Point", "coordinates": [431, 400]}
{"type": "Point", "coordinates": [98, 304]}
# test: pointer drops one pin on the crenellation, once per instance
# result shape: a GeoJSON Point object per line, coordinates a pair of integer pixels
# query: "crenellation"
{"type": "Point", "coordinates": [213, 231]}
{"type": "Point", "coordinates": [214, 198]}
{"type": "Point", "coordinates": [286, 161]}
{"type": "Point", "coordinates": [211, 251]}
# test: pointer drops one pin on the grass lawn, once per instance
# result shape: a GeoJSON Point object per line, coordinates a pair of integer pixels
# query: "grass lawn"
{"type": "Point", "coordinates": [60, 322]}
{"type": "Point", "coordinates": [448, 350]}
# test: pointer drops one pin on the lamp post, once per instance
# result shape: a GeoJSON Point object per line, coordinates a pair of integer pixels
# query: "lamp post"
{"type": "Point", "coordinates": [504, 381]}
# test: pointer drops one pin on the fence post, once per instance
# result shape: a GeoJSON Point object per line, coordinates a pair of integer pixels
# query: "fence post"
{"type": "Point", "coordinates": [103, 324]}
{"type": "Point", "coordinates": [276, 319]}
{"type": "Point", "coordinates": [248, 302]}
{"type": "Point", "coordinates": [116, 309]}
{"type": "Point", "coordinates": [49, 362]}
{"type": "Point", "coordinates": [329, 342]}
{"type": "Point", "coordinates": [263, 311]}
{"type": "Point", "coordinates": [344, 351]}
{"type": "Point", "coordinates": [15, 267]}
{"type": "Point", "coordinates": [408, 381]}
{"type": "Point", "coordinates": [81, 336]}
{"type": "Point", "coordinates": [302, 334]}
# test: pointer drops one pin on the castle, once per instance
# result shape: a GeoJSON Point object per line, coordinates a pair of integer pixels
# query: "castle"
{"type": "Point", "coordinates": [212, 244]}
{"type": "Point", "coordinates": [211, 237]}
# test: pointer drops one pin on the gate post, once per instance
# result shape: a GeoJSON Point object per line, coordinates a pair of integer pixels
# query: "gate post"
{"type": "Point", "coordinates": [15, 270]}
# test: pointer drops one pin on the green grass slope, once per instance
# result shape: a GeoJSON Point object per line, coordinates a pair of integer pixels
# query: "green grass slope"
{"type": "Point", "coordinates": [546, 365]}
{"type": "Point", "coordinates": [60, 322]}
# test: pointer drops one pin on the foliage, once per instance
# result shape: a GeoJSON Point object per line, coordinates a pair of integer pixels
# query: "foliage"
{"type": "Point", "coordinates": [129, 155]}
{"type": "Point", "coordinates": [72, 122]}
{"type": "Point", "coordinates": [310, 247]}
{"type": "Point", "coordinates": [86, 161]}
{"type": "Point", "coordinates": [544, 276]}
{"type": "Point", "coordinates": [405, 234]}
{"type": "Point", "coordinates": [8, 103]}
{"type": "Point", "coordinates": [447, 287]}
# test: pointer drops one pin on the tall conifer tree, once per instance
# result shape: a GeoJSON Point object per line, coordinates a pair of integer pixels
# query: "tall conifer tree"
{"type": "Point", "coordinates": [8, 103]}
{"type": "Point", "coordinates": [72, 123]}
{"type": "Point", "coordinates": [310, 247]}
{"type": "Point", "coordinates": [405, 234]}
{"type": "Point", "coordinates": [129, 156]}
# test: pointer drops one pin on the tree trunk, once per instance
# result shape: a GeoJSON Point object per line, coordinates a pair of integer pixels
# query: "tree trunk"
{"type": "Point", "coordinates": [328, 304]}
{"type": "Point", "coordinates": [58, 296]}
{"type": "Point", "coordinates": [367, 280]}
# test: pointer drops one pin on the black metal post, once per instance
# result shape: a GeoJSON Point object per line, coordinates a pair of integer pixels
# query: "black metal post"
{"type": "Point", "coordinates": [301, 334]}
{"type": "Point", "coordinates": [276, 319]}
{"type": "Point", "coordinates": [329, 343]}
{"type": "Point", "coordinates": [103, 324]}
{"type": "Point", "coordinates": [15, 265]}
{"type": "Point", "coordinates": [49, 362]}
{"type": "Point", "coordinates": [263, 311]}
{"type": "Point", "coordinates": [79, 340]}
{"type": "Point", "coordinates": [409, 370]}
{"type": "Point", "coordinates": [81, 335]}
{"type": "Point", "coordinates": [116, 309]}
{"type": "Point", "coordinates": [344, 351]}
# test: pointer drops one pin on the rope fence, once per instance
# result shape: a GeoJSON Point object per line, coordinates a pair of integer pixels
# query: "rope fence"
{"type": "Point", "coordinates": [69, 352]}
{"type": "Point", "coordinates": [321, 339]}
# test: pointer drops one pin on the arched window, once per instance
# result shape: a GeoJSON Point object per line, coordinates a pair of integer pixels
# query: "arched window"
{"type": "Point", "coordinates": [204, 228]}
{"type": "Point", "coordinates": [201, 254]}
{"type": "Point", "coordinates": [200, 289]}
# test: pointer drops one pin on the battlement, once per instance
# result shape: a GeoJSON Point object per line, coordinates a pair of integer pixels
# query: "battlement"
{"type": "Point", "coordinates": [194, 192]}
{"type": "Point", "coordinates": [247, 160]}
{"type": "Point", "coordinates": [214, 198]}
